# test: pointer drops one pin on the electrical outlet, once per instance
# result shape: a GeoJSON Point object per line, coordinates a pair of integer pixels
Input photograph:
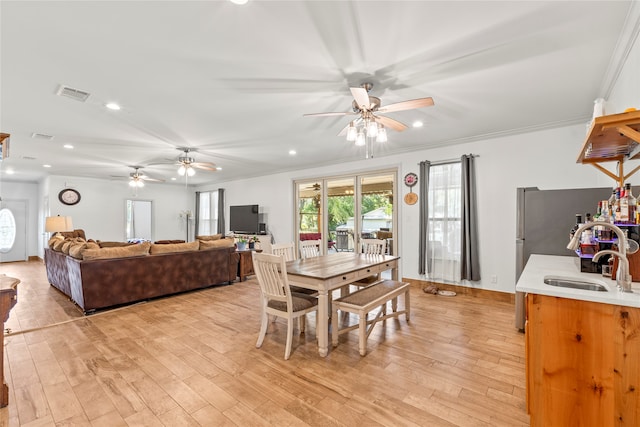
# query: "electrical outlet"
{"type": "Point", "coordinates": [494, 279]}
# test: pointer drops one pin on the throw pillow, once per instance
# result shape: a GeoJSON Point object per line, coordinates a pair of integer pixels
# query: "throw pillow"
{"type": "Point", "coordinates": [54, 239]}
{"type": "Point", "coordinates": [76, 250]}
{"type": "Point", "coordinates": [117, 252]}
{"type": "Point", "coordinates": [211, 237]}
{"type": "Point", "coordinates": [222, 243]}
{"type": "Point", "coordinates": [166, 248]}
{"type": "Point", "coordinates": [57, 246]}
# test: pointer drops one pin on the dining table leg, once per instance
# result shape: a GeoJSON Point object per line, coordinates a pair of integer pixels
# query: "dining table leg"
{"type": "Point", "coordinates": [322, 329]}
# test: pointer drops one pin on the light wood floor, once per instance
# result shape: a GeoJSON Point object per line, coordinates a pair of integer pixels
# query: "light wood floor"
{"type": "Point", "coordinates": [191, 360]}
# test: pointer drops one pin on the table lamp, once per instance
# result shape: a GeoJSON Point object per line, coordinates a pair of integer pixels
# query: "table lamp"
{"type": "Point", "coordinates": [56, 224]}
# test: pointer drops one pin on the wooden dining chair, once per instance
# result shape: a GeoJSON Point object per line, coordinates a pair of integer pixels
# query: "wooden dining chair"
{"type": "Point", "coordinates": [371, 247]}
{"type": "Point", "coordinates": [285, 250]}
{"type": "Point", "coordinates": [277, 298]}
{"type": "Point", "coordinates": [288, 252]}
{"type": "Point", "coordinates": [309, 248]}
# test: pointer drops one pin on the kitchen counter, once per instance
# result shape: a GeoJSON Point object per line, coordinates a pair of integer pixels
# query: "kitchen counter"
{"type": "Point", "coordinates": [539, 266]}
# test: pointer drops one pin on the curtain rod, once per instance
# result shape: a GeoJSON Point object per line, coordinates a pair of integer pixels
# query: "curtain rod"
{"type": "Point", "coordinates": [450, 161]}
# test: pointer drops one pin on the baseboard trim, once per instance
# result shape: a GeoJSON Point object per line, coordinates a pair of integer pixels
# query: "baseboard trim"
{"type": "Point", "coordinates": [35, 258]}
{"type": "Point", "coordinates": [464, 290]}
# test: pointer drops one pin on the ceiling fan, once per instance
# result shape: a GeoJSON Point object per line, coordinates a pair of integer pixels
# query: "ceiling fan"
{"type": "Point", "coordinates": [368, 108]}
{"type": "Point", "coordinates": [137, 178]}
{"type": "Point", "coordinates": [188, 164]}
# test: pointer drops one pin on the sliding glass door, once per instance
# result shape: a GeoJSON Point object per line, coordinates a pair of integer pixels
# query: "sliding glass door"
{"type": "Point", "coordinates": [341, 211]}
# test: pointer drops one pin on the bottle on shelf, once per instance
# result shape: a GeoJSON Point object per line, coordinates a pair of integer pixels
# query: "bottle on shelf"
{"type": "Point", "coordinates": [586, 238]}
{"type": "Point", "coordinates": [578, 223]}
{"type": "Point", "coordinates": [617, 205]}
{"type": "Point", "coordinates": [631, 202]}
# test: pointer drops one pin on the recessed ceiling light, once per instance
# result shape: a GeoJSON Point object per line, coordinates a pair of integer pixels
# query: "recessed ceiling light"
{"type": "Point", "coordinates": [417, 124]}
{"type": "Point", "coordinates": [173, 178]}
{"type": "Point", "coordinates": [292, 152]}
{"type": "Point", "coordinates": [10, 171]}
{"type": "Point", "coordinates": [68, 146]}
{"type": "Point", "coordinates": [218, 168]}
{"type": "Point", "coordinates": [46, 166]}
{"type": "Point", "coordinates": [112, 106]}
{"type": "Point", "coordinates": [239, 1]}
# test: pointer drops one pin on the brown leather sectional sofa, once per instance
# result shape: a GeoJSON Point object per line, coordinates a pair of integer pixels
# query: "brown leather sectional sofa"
{"type": "Point", "coordinates": [101, 283]}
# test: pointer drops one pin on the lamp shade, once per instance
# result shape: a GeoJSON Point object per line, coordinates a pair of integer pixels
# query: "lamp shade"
{"type": "Point", "coordinates": [54, 224]}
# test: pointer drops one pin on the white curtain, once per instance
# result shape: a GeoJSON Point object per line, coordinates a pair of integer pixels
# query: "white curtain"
{"type": "Point", "coordinates": [444, 230]}
{"type": "Point", "coordinates": [207, 213]}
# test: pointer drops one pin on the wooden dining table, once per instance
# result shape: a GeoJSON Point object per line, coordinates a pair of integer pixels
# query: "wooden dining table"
{"type": "Point", "coordinates": [333, 271]}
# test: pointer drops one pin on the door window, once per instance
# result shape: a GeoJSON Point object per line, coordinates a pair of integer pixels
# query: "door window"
{"type": "Point", "coordinates": [7, 230]}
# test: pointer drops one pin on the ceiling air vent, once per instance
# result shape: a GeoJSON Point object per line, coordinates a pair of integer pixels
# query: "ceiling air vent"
{"type": "Point", "coordinates": [77, 94]}
{"type": "Point", "coordinates": [37, 135]}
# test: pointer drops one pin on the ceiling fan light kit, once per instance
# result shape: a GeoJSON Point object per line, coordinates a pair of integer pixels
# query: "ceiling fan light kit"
{"type": "Point", "coordinates": [371, 125]}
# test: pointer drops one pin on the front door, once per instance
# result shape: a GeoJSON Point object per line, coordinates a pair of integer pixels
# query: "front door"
{"type": "Point", "coordinates": [13, 230]}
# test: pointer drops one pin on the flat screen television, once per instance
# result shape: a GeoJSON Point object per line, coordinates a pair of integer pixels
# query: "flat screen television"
{"type": "Point", "coordinates": [244, 219]}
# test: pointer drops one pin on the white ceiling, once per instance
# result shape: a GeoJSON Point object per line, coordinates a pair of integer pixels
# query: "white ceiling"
{"type": "Point", "coordinates": [234, 81]}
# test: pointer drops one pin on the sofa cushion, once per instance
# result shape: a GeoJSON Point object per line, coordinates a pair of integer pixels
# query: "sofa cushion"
{"type": "Point", "coordinates": [57, 246]}
{"type": "Point", "coordinates": [114, 244]}
{"type": "Point", "coordinates": [54, 239]}
{"type": "Point", "coordinates": [75, 233]}
{"type": "Point", "coordinates": [211, 237]}
{"type": "Point", "coordinates": [117, 252]}
{"type": "Point", "coordinates": [222, 243]}
{"type": "Point", "coordinates": [76, 251]}
{"type": "Point", "coordinates": [166, 248]}
{"type": "Point", "coordinates": [166, 242]}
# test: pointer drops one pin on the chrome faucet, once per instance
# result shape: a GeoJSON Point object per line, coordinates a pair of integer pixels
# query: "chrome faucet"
{"type": "Point", "coordinates": [623, 278]}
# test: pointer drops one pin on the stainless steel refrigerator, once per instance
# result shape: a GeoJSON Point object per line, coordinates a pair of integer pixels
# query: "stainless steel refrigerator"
{"type": "Point", "coordinates": [544, 219]}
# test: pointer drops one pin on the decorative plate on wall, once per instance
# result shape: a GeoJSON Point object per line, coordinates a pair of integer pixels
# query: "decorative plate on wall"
{"type": "Point", "coordinates": [410, 180]}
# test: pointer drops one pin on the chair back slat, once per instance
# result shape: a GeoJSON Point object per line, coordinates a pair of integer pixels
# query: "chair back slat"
{"type": "Point", "coordinates": [374, 246]}
{"type": "Point", "coordinates": [271, 272]}
{"type": "Point", "coordinates": [285, 250]}
{"type": "Point", "coordinates": [309, 248]}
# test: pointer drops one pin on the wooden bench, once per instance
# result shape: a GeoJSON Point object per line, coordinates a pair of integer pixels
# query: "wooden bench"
{"type": "Point", "coordinates": [363, 301]}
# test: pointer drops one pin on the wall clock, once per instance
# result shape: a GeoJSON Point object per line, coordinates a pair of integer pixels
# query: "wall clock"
{"type": "Point", "coordinates": [69, 196]}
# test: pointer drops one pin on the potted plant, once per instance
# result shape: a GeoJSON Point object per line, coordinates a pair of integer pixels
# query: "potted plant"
{"type": "Point", "coordinates": [241, 243]}
{"type": "Point", "coordinates": [252, 242]}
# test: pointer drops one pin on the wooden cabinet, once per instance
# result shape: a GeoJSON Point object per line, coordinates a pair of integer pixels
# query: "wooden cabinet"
{"type": "Point", "coordinates": [245, 266]}
{"type": "Point", "coordinates": [583, 363]}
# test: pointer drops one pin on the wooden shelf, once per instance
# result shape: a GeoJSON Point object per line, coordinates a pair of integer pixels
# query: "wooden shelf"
{"type": "Point", "coordinates": [615, 137]}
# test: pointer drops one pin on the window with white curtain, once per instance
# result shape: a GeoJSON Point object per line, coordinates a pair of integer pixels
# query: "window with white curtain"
{"type": "Point", "coordinates": [444, 222]}
{"type": "Point", "coordinates": [207, 213]}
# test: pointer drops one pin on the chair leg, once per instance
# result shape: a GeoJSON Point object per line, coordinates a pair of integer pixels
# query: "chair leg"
{"type": "Point", "coordinates": [335, 325]}
{"type": "Point", "coordinates": [287, 351]}
{"type": "Point", "coordinates": [302, 321]}
{"type": "Point", "coordinates": [263, 329]}
{"type": "Point", "coordinates": [394, 304]}
{"type": "Point", "coordinates": [407, 304]}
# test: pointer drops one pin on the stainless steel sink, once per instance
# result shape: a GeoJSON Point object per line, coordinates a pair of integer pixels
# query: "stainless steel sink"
{"type": "Point", "coordinates": [575, 283]}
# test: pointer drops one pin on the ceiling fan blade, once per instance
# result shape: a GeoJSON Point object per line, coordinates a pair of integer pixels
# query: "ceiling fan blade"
{"type": "Point", "coordinates": [147, 178]}
{"type": "Point", "coordinates": [390, 123]}
{"type": "Point", "coordinates": [347, 113]}
{"type": "Point", "coordinates": [407, 105]}
{"type": "Point", "coordinates": [362, 97]}
{"type": "Point", "coordinates": [205, 166]}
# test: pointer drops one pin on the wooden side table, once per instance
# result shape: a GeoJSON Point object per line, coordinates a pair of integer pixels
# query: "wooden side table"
{"type": "Point", "coordinates": [8, 298]}
{"type": "Point", "coordinates": [245, 266]}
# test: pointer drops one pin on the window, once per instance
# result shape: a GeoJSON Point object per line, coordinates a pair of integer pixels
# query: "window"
{"type": "Point", "coordinates": [444, 231]}
{"type": "Point", "coordinates": [7, 230]}
{"type": "Point", "coordinates": [207, 218]}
